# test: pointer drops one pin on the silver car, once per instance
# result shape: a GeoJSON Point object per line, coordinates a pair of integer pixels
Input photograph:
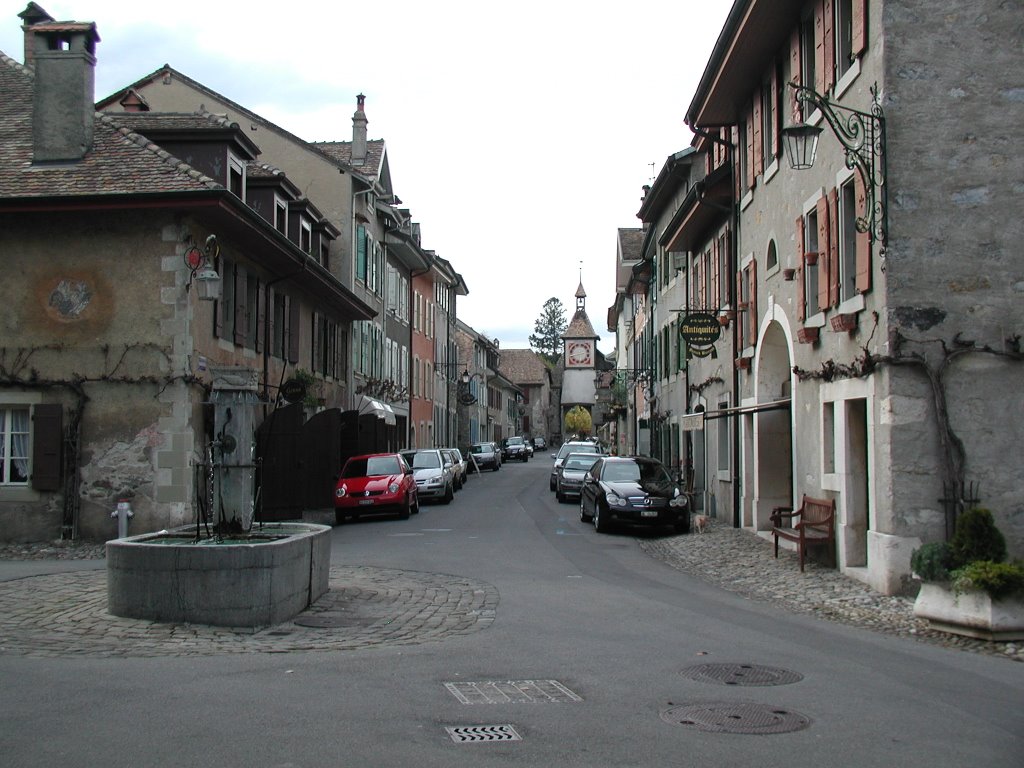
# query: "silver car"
{"type": "Point", "coordinates": [565, 450]}
{"type": "Point", "coordinates": [435, 476]}
{"type": "Point", "coordinates": [460, 466]}
{"type": "Point", "coordinates": [569, 479]}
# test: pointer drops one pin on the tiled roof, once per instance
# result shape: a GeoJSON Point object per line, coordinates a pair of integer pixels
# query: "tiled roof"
{"type": "Point", "coordinates": [342, 152]}
{"type": "Point", "coordinates": [580, 327]}
{"type": "Point", "coordinates": [631, 241]}
{"type": "Point", "coordinates": [523, 366]}
{"type": "Point", "coordinates": [172, 121]}
{"type": "Point", "coordinates": [120, 161]}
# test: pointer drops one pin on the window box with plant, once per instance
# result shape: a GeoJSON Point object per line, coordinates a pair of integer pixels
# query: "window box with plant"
{"type": "Point", "coordinates": [966, 587]}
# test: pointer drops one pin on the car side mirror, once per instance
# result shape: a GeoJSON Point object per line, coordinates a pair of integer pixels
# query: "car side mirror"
{"type": "Point", "coordinates": [588, 478]}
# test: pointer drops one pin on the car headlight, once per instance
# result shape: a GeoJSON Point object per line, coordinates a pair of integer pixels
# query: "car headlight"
{"type": "Point", "coordinates": [340, 491]}
{"type": "Point", "coordinates": [434, 481]}
{"type": "Point", "coordinates": [393, 488]}
{"type": "Point", "coordinates": [614, 500]}
{"type": "Point", "coordinates": [678, 501]}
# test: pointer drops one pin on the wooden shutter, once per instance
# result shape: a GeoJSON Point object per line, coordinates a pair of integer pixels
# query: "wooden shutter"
{"type": "Point", "coordinates": [859, 26]}
{"type": "Point", "coordinates": [271, 324]}
{"type": "Point", "coordinates": [833, 247]}
{"type": "Point", "coordinates": [795, 72]}
{"type": "Point", "coordinates": [801, 300]}
{"type": "Point", "coordinates": [715, 275]}
{"type": "Point", "coordinates": [241, 298]}
{"type": "Point", "coordinates": [751, 173]}
{"type": "Point", "coordinates": [361, 253]}
{"type": "Point", "coordinates": [863, 238]}
{"type": "Point", "coordinates": [829, 45]}
{"type": "Point", "coordinates": [315, 365]}
{"type": "Point", "coordinates": [824, 278]}
{"type": "Point", "coordinates": [758, 134]}
{"type": "Point", "coordinates": [47, 446]}
{"type": "Point", "coordinates": [819, 46]}
{"type": "Point", "coordinates": [775, 108]}
{"type": "Point", "coordinates": [752, 306]}
{"type": "Point", "coordinates": [739, 298]}
{"type": "Point", "coordinates": [737, 179]}
{"type": "Point", "coordinates": [293, 330]}
{"type": "Point", "coordinates": [261, 317]}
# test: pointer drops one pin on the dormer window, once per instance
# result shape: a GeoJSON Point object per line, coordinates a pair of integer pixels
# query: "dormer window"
{"type": "Point", "coordinates": [305, 236]}
{"type": "Point", "coordinates": [236, 177]}
{"type": "Point", "coordinates": [280, 215]}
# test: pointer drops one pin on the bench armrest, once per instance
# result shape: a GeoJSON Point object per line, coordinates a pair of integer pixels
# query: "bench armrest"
{"type": "Point", "coordinates": [778, 513]}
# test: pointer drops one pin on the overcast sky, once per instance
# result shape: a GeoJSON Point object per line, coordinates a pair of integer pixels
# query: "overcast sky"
{"type": "Point", "coordinates": [519, 134]}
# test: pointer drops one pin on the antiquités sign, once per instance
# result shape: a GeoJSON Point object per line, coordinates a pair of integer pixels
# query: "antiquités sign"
{"type": "Point", "coordinates": [700, 331]}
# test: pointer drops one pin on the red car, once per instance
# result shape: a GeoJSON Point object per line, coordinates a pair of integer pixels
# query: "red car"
{"type": "Point", "coordinates": [374, 484]}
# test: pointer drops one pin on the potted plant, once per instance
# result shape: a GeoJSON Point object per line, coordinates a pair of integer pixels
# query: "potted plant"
{"type": "Point", "coordinates": [966, 587]}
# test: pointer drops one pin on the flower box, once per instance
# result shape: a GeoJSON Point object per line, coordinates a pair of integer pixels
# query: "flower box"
{"type": "Point", "coordinates": [845, 322]}
{"type": "Point", "coordinates": [743, 363]}
{"type": "Point", "coordinates": [807, 335]}
{"type": "Point", "coordinates": [972, 613]}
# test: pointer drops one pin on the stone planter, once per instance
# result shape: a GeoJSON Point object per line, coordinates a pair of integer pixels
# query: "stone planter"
{"type": "Point", "coordinates": [971, 613]}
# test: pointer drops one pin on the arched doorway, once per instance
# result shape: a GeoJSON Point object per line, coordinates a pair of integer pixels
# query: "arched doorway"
{"type": "Point", "coordinates": [772, 440]}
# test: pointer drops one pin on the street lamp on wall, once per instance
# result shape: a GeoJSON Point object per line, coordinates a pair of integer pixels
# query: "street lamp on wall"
{"type": "Point", "coordinates": [862, 136]}
{"type": "Point", "coordinates": [202, 263]}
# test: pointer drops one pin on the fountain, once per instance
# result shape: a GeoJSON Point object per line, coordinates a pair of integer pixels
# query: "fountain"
{"type": "Point", "coordinates": [233, 574]}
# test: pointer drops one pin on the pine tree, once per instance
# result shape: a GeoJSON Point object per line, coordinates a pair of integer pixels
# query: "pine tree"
{"type": "Point", "coordinates": [546, 338]}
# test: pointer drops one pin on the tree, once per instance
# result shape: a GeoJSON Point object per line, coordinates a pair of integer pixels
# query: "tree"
{"type": "Point", "coordinates": [578, 421]}
{"type": "Point", "coordinates": [546, 338]}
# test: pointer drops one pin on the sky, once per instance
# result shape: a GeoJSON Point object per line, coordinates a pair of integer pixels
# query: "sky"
{"type": "Point", "coordinates": [519, 135]}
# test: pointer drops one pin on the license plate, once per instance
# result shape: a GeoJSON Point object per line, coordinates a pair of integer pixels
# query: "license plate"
{"type": "Point", "coordinates": [648, 513]}
{"type": "Point", "coordinates": [365, 502]}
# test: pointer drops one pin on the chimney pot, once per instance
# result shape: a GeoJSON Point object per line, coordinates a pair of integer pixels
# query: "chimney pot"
{"type": "Point", "coordinates": [359, 122]}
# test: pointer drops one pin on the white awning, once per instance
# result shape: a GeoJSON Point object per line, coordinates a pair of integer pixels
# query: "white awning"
{"type": "Point", "coordinates": [378, 409]}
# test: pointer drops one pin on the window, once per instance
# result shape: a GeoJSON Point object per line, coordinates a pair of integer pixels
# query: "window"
{"type": "Point", "coordinates": [811, 269]}
{"type": "Point", "coordinates": [772, 259]}
{"type": "Point", "coordinates": [844, 36]}
{"type": "Point", "coordinates": [847, 240]}
{"type": "Point", "coordinates": [280, 215]}
{"type": "Point", "coordinates": [325, 254]}
{"type": "Point", "coordinates": [224, 316]}
{"type": "Point", "coordinates": [252, 303]}
{"type": "Point", "coordinates": [724, 453]}
{"type": "Point", "coordinates": [807, 52]}
{"type": "Point", "coordinates": [724, 270]}
{"type": "Point", "coordinates": [236, 178]}
{"type": "Point", "coordinates": [280, 336]}
{"type": "Point", "coordinates": [305, 237]}
{"type": "Point", "coordinates": [769, 113]}
{"type": "Point", "coordinates": [14, 445]}
{"type": "Point", "coordinates": [828, 437]}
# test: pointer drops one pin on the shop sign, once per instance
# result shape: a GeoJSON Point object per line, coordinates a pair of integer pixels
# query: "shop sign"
{"type": "Point", "coordinates": [700, 331]}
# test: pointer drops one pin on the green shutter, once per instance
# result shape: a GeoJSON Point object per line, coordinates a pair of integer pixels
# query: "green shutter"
{"type": "Point", "coordinates": [361, 253]}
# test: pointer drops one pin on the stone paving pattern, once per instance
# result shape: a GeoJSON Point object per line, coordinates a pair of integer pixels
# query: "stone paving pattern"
{"type": "Point", "coordinates": [65, 614]}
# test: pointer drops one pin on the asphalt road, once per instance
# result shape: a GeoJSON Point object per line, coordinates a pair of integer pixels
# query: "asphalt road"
{"type": "Point", "coordinates": [591, 659]}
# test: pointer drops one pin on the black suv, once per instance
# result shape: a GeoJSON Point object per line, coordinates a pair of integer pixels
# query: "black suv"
{"type": "Point", "coordinates": [514, 448]}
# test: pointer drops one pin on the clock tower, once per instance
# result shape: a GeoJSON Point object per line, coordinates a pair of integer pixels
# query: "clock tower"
{"type": "Point", "coordinates": [579, 355]}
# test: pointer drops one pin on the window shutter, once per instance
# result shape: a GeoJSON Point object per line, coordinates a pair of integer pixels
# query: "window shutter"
{"type": "Point", "coordinates": [863, 238]}
{"type": "Point", "coordinates": [752, 306]}
{"type": "Point", "coordinates": [801, 300]}
{"type": "Point", "coordinates": [859, 32]}
{"type": "Point", "coordinates": [315, 350]}
{"type": "Point", "coordinates": [218, 308]}
{"type": "Point", "coordinates": [293, 330]}
{"type": "Point", "coordinates": [715, 276]}
{"type": "Point", "coordinates": [738, 179]}
{"type": "Point", "coordinates": [361, 253]}
{"type": "Point", "coordinates": [833, 247]}
{"type": "Point", "coordinates": [740, 277]}
{"type": "Point", "coordinates": [241, 298]}
{"type": "Point", "coordinates": [829, 46]}
{"type": "Point", "coordinates": [795, 72]}
{"type": "Point", "coordinates": [758, 139]}
{"type": "Point", "coordinates": [751, 173]}
{"type": "Point", "coordinates": [47, 446]}
{"type": "Point", "coordinates": [271, 325]}
{"type": "Point", "coordinates": [819, 46]}
{"type": "Point", "coordinates": [824, 273]}
{"type": "Point", "coordinates": [774, 106]}
{"type": "Point", "coordinates": [261, 317]}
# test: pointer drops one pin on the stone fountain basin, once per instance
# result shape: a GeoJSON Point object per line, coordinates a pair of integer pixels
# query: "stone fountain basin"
{"type": "Point", "coordinates": [249, 580]}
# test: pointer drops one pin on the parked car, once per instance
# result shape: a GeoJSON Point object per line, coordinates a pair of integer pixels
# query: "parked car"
{"type": "Point", "coordinates": [635, 490]}
{"type": "Point", "coordinates": [569, 479]}
{"type": "Point", "coordinates": [513, 448]}
{"type": "Point", "coordinates": [529, 449]}
{"type": "Point", "coordinates": [374, 484]}
{"type": "Point", "coordinates": [574, 446]}
{"type": "Point", "coordinates": [486, 456]}
{"type": "Point", "coordinates": [539, 443]}
{"type": "Point", "coordinates": [435, 476]}
{"type": "Point", "coordinates": [459, 465]}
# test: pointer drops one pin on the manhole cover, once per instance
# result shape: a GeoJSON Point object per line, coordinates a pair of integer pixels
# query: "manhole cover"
{"type": "Point", "coordinates": [730, 717]}
{"type": "Point", "coordinates": [466, 734]}
{"type": "Point", "coordinates": [511, 692]}
{"type": "Point", "coordinates": [741, 674]}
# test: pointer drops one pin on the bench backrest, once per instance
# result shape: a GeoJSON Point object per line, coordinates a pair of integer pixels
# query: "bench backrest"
{"type": "Point", "coordinates": [815, 511]}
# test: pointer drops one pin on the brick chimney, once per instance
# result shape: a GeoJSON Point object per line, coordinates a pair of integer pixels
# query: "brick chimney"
{"type": "Point", "coordinates": [64, 110]}
{"type": "Point", "coordinates": [359, 122]}
{"type": "Point", "coordinates": [31, 16]}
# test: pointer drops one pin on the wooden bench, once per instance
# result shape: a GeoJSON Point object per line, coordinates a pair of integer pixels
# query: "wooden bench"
{"type": "Point", "coordinates": [812, 524]}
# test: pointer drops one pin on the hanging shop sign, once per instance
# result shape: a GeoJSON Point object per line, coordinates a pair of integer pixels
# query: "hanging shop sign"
{"type": "Point", "coordinates": [293, 390]}
{"type": "Point", "coordinates": [700, 331]}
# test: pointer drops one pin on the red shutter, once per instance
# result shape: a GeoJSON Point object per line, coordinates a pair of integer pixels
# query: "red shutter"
{"type": "Point", "coordinates": [240, 301]}
{"type": "Point", "coordinates": [801, 301]}
{"type": "Point", "coordinates": [735, 136]}
{"type": "Point", "coordinates": [715, 275]}
{"type": "Point", "coordinates": [863, 238]}
{"type": "Point", "coordinates": [829, 46]}
{"type": "Point", "coordinates": [758, 139]}
{"type": "Point", "coordinates": [833, 247]}
{"type": "Point", "coordinates": [730, 267]}
{"type": "Point", "coordinates": [824, 278]}
{"type": "Point", "coordinates": [739, 298]}
{"type": "Point", "coordinates": [47, 446]}
{"type": "Point", "coordinates": [795, 72]}
{"type": "Point", "coordinates": [860, 26]}
{"type": "Point", "coordinates": [752, 306]}
{"type": "Point", "coordinates": [293, 330]}
{"type": "Point", "coordinates": [775, 108]}
{"type": "Point", "coordinates": [819, 46]}
{"type": "Point", "coordinates": [751, 173]}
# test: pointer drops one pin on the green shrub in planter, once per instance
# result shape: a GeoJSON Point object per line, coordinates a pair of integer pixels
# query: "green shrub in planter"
{"type": "Point", "coordinates": [932, 562]}
{"type": "Point", "coordinates": [999, 580]}
{"type": "Point", "coordinates": [977, 538]}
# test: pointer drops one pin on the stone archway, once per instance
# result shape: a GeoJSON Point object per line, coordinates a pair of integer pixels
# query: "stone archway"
{"type": "Point", "coordinates": [772, 439]}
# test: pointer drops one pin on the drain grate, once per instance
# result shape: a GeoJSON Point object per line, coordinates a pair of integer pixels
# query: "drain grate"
{"type": "Point", "coordinates": [730, 717]}
{"type": "Point", "coordinates": [741, 674]}
{"type": "Point", "coordinates": [468, 734]}
{"type": "Point", "coordinates": [511, 692]}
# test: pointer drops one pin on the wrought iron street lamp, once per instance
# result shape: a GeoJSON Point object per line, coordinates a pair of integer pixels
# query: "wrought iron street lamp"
{"type": "Point", "coordinates": [862, 136]}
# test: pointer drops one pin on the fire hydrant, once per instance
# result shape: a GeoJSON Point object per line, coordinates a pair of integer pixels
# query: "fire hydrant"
{"type": "Point", "coordinates": [123, 513]}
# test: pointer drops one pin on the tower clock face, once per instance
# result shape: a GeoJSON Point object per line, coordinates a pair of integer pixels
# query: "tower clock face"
{"type": "Point", "coordinates": [578, 353]}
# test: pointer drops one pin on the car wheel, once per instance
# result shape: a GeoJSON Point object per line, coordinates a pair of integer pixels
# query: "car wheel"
{"type": "Point", "coordinates": [449, 494]}
{"type": "Point", "coordinates": [414, 507]}
{"type": "Point", "coordinates": [600, 523]}
{"type": "Point", "coordinates": [584, 517]}
{"type": "Point", "coordinates": [551, 485]}
{"type": "Point", "coordinates": [559, 496]}
{"type": "Point", "coordinates": [339, 517]}
{"type": "Point", "coordinates": [496, 467]}
{"type": "Point", "coordinates": [682, 525]}
{"type": "Point", "coordinates": [404, 512]}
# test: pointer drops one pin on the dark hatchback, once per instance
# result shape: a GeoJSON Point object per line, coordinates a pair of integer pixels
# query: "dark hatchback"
{"type": "Point", "coordinates": [633, 490]}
